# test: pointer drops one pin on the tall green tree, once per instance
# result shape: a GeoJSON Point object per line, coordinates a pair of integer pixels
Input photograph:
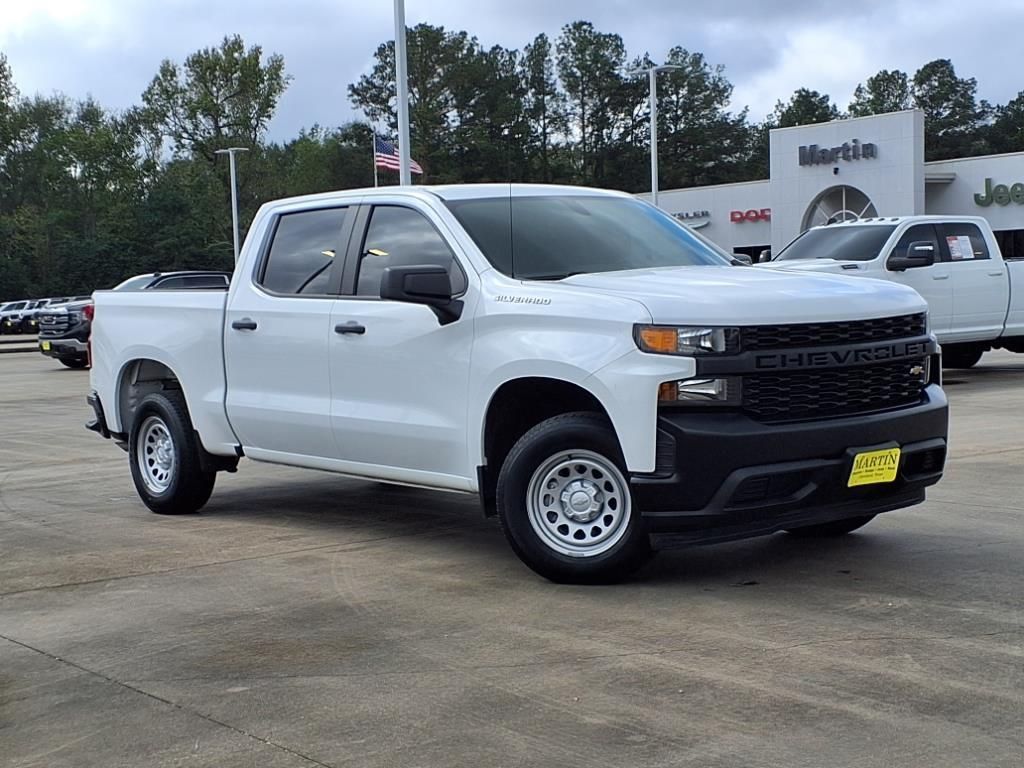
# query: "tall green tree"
{"type": "Point", "coordinates": [953, 115]}
{"type": "Point", "coordinates": [220, 96]}
{"type": "Point", "coordinates": [805, 107]}
{"type": "Point", "coordinates": [590, 67]}
{"type": "Point", "coordinates": [465, 104]}
{"type": "Point", "coordinates": [885, 91]}
{"type": "Point", "coordinates": [1006, 133]}
{"type": "Point", "coordinates": [544, 108]}
{"type": "Point", "coordinates": [701, 141]}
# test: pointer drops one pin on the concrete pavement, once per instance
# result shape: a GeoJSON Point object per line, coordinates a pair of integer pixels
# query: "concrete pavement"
{"type": "Point", "coordinates": [305, 619]}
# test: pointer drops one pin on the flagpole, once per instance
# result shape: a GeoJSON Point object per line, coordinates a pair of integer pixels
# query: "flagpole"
{"type": "Point", "coordinates": [402, 87]}
{"type": "Point", "coordinates": [373, 155]}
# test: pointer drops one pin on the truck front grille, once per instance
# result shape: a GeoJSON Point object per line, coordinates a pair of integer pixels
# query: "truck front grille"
{"type": "Point", "coordinates": [824, 334]}
{"type": "Point", "coordinates": [53, 325]}
{"type": "Point", "coordinates": [800, 395]}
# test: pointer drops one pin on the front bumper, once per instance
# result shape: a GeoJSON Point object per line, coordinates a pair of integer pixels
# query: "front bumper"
{"type": "Point", "coordinates": [63, 347]}
{"type": "Point", "coordinates": [725, 476]}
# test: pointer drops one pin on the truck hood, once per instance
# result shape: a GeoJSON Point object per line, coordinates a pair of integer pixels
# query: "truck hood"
{"type": "Point", "coordinates": [749, 296]}
{"type": "Point", "coordinates": [819, 266]}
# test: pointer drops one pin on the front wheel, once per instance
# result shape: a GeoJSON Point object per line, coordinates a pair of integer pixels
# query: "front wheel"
{"type": "Point", "coordinates": [834, 528]}
{"type": "Point", "coordinates": [74, 362]}
{"type": "Point", "coordinates": [164, 457]}
{"type": "Point", "coordinates": [961, 356]}
{"type": "Point", "coordinates": [565, 505]}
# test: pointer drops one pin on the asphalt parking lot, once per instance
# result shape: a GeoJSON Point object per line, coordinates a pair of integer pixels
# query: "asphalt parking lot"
{"type": "Point", "coordinates": [305, 619]}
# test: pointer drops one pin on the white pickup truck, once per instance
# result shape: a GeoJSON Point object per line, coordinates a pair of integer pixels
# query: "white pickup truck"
{"type": "Point", "coordinates": [605, 380]}
{"type": "Point", "coordinates": [954, 262]}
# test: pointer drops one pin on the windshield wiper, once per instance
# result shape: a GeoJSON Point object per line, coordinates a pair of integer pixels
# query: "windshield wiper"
{"type": "Point", "coordinates": [561, 276]}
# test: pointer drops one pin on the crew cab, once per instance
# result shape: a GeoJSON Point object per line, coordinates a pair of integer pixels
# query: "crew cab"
{"type": "Point", "coordinates": [975, 298]}
{"type": "Point", "coordinates": [603, 379]}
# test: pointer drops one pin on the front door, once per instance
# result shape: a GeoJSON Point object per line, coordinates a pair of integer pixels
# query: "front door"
{"type": "Point", "coordinates": [276, 336]}
{"type": "Point", "coordinates": [933, 283]}
{"type": "Point", "coordinates": [399, 375]}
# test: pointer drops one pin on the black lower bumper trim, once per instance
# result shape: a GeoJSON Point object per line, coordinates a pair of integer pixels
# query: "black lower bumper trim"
{"type": "Point", "coordinates": [98, 424]}
{"type": "Point", "coordinates": [716, 534]}
{"type": "Point", "coordinates": [736, 477]}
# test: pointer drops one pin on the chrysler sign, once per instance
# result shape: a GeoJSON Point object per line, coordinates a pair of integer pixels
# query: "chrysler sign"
{"type": "Point", "coordinates": [848, 151]}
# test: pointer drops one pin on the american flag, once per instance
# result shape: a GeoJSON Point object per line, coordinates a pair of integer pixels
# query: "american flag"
{"type": "Point", "coordinates": [385, 155]}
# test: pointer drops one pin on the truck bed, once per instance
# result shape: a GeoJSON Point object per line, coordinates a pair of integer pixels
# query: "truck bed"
{"type": "Point", "coordinates": [183, 330]}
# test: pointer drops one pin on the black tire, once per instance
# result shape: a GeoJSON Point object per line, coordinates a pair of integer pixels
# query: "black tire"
{"type": "Point", "coordinates": [829, 530]}
{"type": "Point", "coordinates": [188, 487]}
{"type": "Point", "coordinates": [74, 362]}
{"type": "Point", "coordinates": [572, 438]}
{"type": "Point", "coordinates": [961, 356]}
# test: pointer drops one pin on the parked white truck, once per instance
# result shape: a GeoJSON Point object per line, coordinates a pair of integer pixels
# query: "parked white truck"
{"type": "Point", "coordinates": [975, 298]}
{"type": "Point", "coordinates": [603, 379]}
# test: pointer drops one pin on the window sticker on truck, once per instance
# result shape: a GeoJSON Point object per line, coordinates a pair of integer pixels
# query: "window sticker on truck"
{"type": "Point", "coordinates": [960, 247]}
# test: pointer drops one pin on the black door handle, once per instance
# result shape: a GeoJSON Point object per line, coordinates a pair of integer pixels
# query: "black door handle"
{"type": "Point", "coordinates": [245, 324]}
{"type": "Point", "coordinates": [352, 327]}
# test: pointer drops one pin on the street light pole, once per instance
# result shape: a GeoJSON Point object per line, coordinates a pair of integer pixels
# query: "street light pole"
{"type": "Point", "coordinates": [230, 152]}
{"type": "Point", "coordinates": [652, 74]}
{"type": "Point", "coordinates": [402, 83]}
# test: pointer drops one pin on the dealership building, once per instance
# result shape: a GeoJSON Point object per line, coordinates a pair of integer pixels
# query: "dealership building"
{"type": "Point", "coordinates": [855, 168]}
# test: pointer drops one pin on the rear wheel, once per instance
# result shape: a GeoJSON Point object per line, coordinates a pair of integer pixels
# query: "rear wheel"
{"type": "Point", "coordinates": [961, 356]}
{"type": "Point", "coordinates": [834, 528]}
{"type": "Point", "coordinates": [164, 456]}
{"type": "Point", "coordinates": [565, 505]}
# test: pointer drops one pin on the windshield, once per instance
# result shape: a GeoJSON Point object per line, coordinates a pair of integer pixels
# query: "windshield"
{"type": "Point", "coordinates": [134, 283]}
{"type": "Point", "coordinates": [841, 243]}
{"type": "Point", "coordinates": [549, 237]}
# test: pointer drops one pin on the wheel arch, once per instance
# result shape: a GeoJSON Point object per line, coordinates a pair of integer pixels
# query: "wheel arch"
{"type": "Point", "coordinates": [514, 407]}
{"type": "Point", "coordinates": [136, 379]}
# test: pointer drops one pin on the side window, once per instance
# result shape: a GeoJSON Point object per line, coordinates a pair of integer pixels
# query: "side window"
{"type": "Point", "coordinates": [919, 233]}
{"type": "Point", "coordinates": [963, 242]}
{"type": "Point", "coordinates": [402, 237]}
{"type": "Point", "coordinates": [302, 252]}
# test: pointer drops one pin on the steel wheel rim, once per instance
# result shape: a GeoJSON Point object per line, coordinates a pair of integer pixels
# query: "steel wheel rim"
{"type": "Point", "coordinates": [578, 503]}
{"type": "Point", "coordinates": [155, 455]}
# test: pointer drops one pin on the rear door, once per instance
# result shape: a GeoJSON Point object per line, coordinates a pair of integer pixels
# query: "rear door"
{"type": "Point", "coordinates": [276, 333]}
{"type": "Point", "coordinates": [933, 282]}
{"type": "Point", "coordinates": [981, 287]}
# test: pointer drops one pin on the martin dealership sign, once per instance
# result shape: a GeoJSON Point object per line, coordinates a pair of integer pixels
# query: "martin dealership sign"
{"type": "Point", "coordinates": [848, 150]}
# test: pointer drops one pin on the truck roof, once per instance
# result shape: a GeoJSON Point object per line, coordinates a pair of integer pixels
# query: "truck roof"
{"type": "Point", "coordinates": [879, 221]}
{"type": "Point", "coordinates": [456, 192]}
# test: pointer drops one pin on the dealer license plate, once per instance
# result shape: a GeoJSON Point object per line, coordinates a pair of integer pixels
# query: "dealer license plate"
{"type": "Point", "coordinates": [45, 346]}
{"type": "Point", "coordinates": [873, 467]}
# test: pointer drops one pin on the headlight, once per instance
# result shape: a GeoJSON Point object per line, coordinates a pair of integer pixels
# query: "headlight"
{"type": "Point", "coordinates": [725, 390]}
{"type": "Point", "coordinates": [686, 340]}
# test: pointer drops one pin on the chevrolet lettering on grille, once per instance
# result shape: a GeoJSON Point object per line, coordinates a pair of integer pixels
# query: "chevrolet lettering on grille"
{"type": "Point", "coordinates": [827, 358]}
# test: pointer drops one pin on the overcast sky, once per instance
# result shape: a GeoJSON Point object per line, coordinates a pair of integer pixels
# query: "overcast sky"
{"type": "Point", "coordinates": [112, 48]}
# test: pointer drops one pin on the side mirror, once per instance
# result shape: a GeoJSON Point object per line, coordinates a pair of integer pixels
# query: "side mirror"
{"type": "Point", "coordinates": [764, 256]}
{"type": "Point", "coordinates": [428, 284]}
{"type": "Point", "coordinates": [744, 258]}
{"type": "Point", "coordinates": [919, 254]}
